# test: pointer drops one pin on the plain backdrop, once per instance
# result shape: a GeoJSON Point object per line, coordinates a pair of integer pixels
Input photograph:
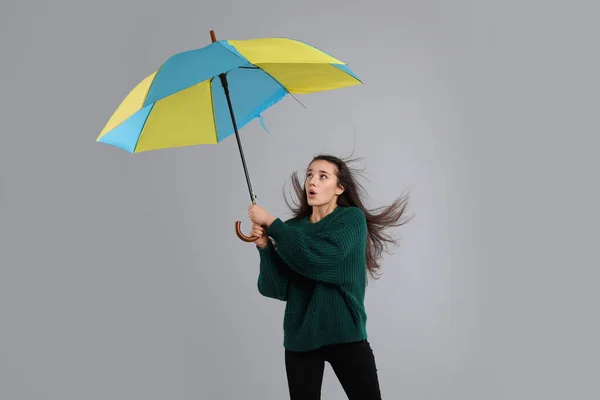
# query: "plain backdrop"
{"type": "Point", "coordinates": [121, 276]}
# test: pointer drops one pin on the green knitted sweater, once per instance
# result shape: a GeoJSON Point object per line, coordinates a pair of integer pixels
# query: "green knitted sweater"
{"type": "Point", "coordinates": [319, 270]}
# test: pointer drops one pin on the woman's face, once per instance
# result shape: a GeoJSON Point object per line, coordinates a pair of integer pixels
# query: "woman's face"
{"type": "Point", "coordinates": [322, 184]}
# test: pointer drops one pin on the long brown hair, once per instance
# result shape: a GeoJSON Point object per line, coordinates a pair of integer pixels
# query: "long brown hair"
{"type": "Point", "coordinates": [378, 219]}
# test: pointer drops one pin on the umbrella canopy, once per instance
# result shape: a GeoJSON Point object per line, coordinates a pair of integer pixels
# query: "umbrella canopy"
{"type": "Point", "coordinates": [182, 104]}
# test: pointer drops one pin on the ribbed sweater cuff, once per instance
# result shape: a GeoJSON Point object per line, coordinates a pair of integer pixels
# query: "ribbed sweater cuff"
{"type": "Point", "coordinates": [266, 249]}
{"type": "Point", "coordinates": [277, 228]}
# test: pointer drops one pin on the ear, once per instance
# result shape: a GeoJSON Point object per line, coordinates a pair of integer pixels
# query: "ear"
{"type": "Point", "coordinates": [339, 190]}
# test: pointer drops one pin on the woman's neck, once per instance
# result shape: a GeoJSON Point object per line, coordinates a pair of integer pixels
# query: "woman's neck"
{"type": "Point", "coordinates": [320, 212]}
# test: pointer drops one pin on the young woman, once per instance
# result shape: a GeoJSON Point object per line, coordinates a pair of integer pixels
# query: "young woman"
{"type": "Point", "coordinates": [318, 265]}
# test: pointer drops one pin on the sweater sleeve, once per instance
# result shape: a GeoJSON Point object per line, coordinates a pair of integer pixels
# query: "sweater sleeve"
{"type": "Point", "coordinates": [273, 281]}
{"type": "Point", "coordinates": [320, 256]}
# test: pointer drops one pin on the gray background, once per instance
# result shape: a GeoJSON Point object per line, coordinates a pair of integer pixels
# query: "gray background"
{"type": "Point", "coordinates": [121, 276]}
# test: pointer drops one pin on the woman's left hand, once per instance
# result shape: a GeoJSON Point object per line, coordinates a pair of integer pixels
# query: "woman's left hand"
{"type": "Point", "coordinates": [260, 216]}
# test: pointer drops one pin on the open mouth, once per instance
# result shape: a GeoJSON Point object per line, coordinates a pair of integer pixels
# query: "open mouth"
{"type": "Point", "coordinates": [312, 193]}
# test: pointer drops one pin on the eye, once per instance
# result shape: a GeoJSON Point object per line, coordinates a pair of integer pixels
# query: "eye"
{"type": "Point", "coordinates": [323, 176]}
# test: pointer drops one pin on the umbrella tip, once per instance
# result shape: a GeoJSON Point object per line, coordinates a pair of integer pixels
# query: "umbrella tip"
{"type": "Point", "coordinates": [212, 36]}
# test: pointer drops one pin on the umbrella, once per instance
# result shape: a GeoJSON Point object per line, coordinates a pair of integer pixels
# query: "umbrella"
{"type": "Point", "coordinates": [205, 95]}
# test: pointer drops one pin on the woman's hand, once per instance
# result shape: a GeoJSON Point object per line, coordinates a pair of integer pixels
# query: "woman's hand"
{"type": "Point", "coordinates": [260, 232]}
{"type": "Point", "coordinates": [260, 216]}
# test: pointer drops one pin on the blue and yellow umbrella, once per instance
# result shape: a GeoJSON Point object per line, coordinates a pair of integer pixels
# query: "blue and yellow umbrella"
{"type": "Point", "coordinates": [205, 95]}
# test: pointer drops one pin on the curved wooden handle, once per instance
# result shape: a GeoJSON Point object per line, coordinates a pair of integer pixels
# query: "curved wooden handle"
{"type": "Point", "coordinates": [238, 231]}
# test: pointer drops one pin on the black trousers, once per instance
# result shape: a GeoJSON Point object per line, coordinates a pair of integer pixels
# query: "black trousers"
{"type": "Point", "coordinates": [352, 363]}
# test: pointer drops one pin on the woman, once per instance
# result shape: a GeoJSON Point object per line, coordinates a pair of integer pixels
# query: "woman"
{"type": "Point", "coordinates": [318, 266]}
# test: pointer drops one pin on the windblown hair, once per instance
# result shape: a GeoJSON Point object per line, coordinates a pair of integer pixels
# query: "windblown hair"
{"type": "Point", "coordinates": [378, 220]}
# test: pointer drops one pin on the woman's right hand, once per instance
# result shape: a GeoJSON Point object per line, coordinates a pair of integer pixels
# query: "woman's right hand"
{"type": "Point", "coordinates": [260, 232]}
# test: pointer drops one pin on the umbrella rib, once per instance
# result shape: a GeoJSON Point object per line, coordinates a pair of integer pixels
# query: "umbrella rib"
{"type": "Point", "coordinates": [143, 126]}
{"type": "Point", "coordinates": [212, 105]}
{"type": "Point", "coordinates": [295, 98]}
{"type": "Point", "coordinates": [279, 83]}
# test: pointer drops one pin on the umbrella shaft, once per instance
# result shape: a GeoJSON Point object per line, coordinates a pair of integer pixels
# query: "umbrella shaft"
{"type": "Point", "coordinates": [237, 136]}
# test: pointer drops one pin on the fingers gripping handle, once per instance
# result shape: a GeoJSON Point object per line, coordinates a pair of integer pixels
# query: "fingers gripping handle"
{"type": "Point", "coordinates": [238, 230]}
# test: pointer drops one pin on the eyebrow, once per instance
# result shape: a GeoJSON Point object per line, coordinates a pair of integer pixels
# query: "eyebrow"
{"type": "Point", "coordinates": [325, 172]}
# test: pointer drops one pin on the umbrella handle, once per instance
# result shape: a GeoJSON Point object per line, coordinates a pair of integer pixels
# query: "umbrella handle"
{"type": "Point", "coordinates": [238, 231]}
